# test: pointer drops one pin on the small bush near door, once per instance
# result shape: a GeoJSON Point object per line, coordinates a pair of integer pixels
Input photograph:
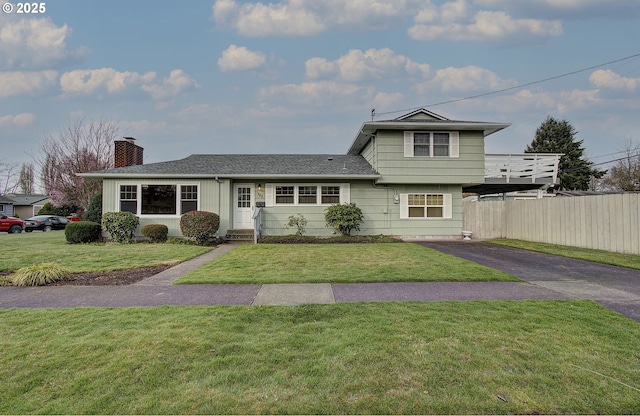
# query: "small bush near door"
{"type": "Point", "coordinates": [200, 225]}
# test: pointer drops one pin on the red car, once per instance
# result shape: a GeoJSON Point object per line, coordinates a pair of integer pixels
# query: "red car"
{"type": "Point", "coordinates": [10, 224]}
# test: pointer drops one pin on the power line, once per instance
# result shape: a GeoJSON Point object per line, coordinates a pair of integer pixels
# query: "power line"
{"type": "Point", "coordinates": [513, 88]}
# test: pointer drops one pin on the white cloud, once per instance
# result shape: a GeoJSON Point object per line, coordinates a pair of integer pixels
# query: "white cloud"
{"type": "Point", "coordinates": [467, 79]}
{"type": "Point", "coordinates": [488, 26]}
{"type": "Point", "coordinates": [316, 94]}
{"type": "Point", "coordinates": [111, 81]}
{"type": "Point", "coordinates": [357, 65]}
{"type": "Point", "coordinates": [177, 82]}
{"type": "Point", "coordinates": [310, 17]}
{"type": "Point", "coordinates": [611, 80]}
{"type": "Point", "coordinates": [25, 82]}
{"type": "Point", "coordinates": [567, 9]}
{"type": "Point", "coordinates": [19, 120]}
{"type": "Point", "coordinates": [35, 43]}
{"type": "Point", "coordinates": [561, 102]}
{"type": "Point", "coordinates": [239, 58]}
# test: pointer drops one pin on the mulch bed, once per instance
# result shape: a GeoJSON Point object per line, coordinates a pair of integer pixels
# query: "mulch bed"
{"type": "Point", "coordinates": [110, 278]}
{"type": "Point", "coordinates": [115, 277]}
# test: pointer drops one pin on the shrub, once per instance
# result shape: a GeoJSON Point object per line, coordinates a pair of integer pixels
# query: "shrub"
{"type": "Point", "coordinates": [200, 225]}
{"type": "Point", "coordinates": [48, 209]}
{"type": "Point", "coordinates": [120, 225]}
{"type": "Point", "coordinates": [77, 232]}
{"type": "Point", "coordinates": [344, 218]}
{"type": "Point", "coordinates": [94, 210]}
{"type": "Point", "coordinates": [297, 221]}
{"type": "Point", "coordinates": [38, 275]}
{"type": "Point", "coordinates": [157, 233]}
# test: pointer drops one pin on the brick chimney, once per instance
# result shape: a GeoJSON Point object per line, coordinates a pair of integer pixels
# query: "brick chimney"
{"type": "Point", "coordinates": [127, 152]}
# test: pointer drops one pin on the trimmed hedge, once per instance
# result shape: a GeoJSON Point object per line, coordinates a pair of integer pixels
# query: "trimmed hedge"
{"type": "Point", "coordinates": [156, 233]}
{"type": "Point", "coordinates": [200, 225]}
{"type": "Point", "coordinates": [77, 232]}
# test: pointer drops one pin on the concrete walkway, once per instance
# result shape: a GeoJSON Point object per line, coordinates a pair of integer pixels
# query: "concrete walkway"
{"type": "Point", "coordinates": [620, 290]}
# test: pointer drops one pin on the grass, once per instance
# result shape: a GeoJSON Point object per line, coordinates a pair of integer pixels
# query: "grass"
{"type": "Point", "coordinates": [630, 261]}
{"type": "Point", "coordinates": [27, 249]}
{"type": "Point", "coordinates": [340, 263]}
{"type": "Point", "coordinates": [527, 357]}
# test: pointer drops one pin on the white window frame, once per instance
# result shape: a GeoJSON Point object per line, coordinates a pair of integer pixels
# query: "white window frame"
{"type": "Point", "coordinates": [447, 211]}
{"type": "Point", "coordinates": [139, 186]}
{"type": "Point", "coordinates": [270, 194]}
{"type": "Point", "coordinates": [454, 144]}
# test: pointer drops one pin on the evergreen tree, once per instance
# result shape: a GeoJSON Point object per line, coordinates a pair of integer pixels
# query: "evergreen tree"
{"type": "Point", "coordinates": [555, 136]}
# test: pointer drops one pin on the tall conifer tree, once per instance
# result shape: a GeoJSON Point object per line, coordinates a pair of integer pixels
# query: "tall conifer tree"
{"type": "Point", "coordinates": [555, 136]}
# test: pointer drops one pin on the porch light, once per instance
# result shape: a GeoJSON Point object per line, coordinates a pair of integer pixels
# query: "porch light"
{"type": "Point", "coordinates": [259, 187]}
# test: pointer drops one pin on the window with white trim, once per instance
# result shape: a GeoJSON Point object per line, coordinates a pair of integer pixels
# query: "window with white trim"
{"type": "Point", "coordinates": [431, 144]}
{"type": "Point", "coordinates": [129, 198]}
{"type": "Point", "coordinates": [425, 205]}
{"type": "Point", "coordinates": [158, 199]}
{"type": "Point", "coordinates": [306, 194]}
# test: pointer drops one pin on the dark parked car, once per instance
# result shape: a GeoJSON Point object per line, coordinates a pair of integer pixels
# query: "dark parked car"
{"type": "Point", "coordinates": [45, 223]}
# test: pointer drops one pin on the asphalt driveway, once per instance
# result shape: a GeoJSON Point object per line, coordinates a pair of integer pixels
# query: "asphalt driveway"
{"type": "Point", "coordinates": [614, 287]}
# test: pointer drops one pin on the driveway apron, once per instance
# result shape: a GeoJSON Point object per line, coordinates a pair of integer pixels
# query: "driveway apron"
{"type": "Point", "coordinates": [614, 287]}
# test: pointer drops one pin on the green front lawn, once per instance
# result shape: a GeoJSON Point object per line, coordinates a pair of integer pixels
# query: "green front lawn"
{"type": "Point", "coordinates": [339, 263]}
{"type": "Point", "coordinates": [630, 261]}
{"type": "Point", "coordinates": [527, 357]}
{"type": "Point", "coordinates": [27, 249]}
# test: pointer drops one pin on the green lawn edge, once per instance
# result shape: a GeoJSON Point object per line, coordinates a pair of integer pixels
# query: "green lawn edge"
{"type": "Point", "coordinates": [345, 263]}
{"type": "Point", "coordinates": [630, 261]}
{"type": "Point", "coordinates": [478, 357]}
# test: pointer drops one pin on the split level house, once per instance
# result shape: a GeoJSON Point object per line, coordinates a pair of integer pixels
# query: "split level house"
{"type": "Point", "coordinates": [406, 174]}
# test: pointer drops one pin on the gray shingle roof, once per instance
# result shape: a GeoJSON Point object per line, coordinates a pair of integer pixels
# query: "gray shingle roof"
{"type": "Point", "coordinates": [264, 165]}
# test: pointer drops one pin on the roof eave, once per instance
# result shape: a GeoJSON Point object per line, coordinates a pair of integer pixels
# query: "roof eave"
{"type": "Point", "coordinates": [225, 176]}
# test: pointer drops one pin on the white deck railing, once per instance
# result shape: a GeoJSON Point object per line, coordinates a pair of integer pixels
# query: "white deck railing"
{"type": "Point", "coordinates": [524, 167]}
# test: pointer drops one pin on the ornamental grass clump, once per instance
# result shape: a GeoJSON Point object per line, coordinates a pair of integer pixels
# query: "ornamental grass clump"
{"type": "Point", "coordinates": [38, 275]}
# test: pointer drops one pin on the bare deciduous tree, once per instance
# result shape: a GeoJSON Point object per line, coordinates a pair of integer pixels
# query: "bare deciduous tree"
{"type": "Point", "coordinates": [27, 179]}
{"type": "Point", "coordinates": [625, 174]}
{"type": "Point", "coordinates": [83, 146]}
{"type": "Point", "coordinates": [8, 177]}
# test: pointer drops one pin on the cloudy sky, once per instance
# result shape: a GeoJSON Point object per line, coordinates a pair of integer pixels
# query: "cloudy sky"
{"type": "Point", "coordinates": [301, 76]}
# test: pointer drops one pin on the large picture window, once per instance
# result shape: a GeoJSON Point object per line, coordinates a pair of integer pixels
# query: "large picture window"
{"type": "Point", "coordinates": [158, 199]}
{"type": "Point", "coordinates": [431, 144]}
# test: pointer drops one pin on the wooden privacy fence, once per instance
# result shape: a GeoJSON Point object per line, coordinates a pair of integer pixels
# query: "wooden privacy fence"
{"type": "Point", "coordinates": [604, 222]}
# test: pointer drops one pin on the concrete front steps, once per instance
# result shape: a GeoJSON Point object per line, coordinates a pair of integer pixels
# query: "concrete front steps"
{"type": "Point", "coordinates": [239, 235]}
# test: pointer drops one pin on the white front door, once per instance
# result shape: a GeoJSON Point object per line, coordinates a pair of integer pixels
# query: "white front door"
{"type": "Point", "coordinates": [243, 206]}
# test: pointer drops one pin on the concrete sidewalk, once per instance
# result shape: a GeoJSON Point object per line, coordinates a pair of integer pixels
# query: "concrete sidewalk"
{"type": "Point", "coordinates": [616, 288]}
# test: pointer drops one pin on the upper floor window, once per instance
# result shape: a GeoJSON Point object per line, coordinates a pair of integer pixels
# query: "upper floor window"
{"type": "Point", "coordinates": [431, 144]}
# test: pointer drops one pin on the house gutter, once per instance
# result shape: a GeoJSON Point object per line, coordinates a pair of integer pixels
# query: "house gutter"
{"type": "Point", "coordinates": [219, 176]}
